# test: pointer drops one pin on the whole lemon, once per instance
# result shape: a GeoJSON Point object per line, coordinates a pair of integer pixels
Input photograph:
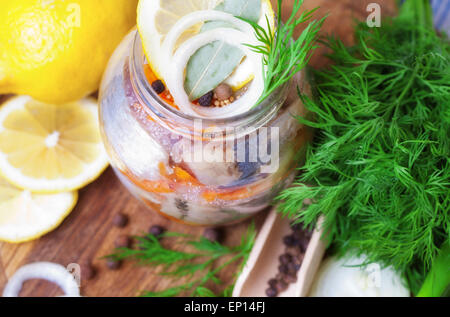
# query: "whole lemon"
{"type": "Point", "coordinates": [56, 50]}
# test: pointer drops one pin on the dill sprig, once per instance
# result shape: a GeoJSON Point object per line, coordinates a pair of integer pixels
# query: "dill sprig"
{"type": "Point", "coordinates": [283, 56]}
{"type": "Point", "coordinates": [380, 164]}
{"type": "Point", "coordinates": [198, 267]}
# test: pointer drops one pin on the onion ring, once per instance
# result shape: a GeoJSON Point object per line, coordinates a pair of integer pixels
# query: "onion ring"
{"type": "Point", "coordinates": [193, 18]}
{"type": "Point", "coordinates": [51, 272]}
{"type": "Point", "coordinates": [174, 78]}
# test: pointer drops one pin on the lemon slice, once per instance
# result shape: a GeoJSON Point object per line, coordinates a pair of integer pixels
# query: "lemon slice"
{"type": "Point", "coordinates": [156, 18]}
{"type": "Point", "coordinates": [25, 216]}
{"type": "Point", "coordinates": [50, 148]}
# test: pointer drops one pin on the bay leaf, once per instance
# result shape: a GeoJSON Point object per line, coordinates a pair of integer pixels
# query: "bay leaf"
{"type": "Point", "coordinates": [215, 62]}
{"type": "Point", "coordinates": [209, 67]}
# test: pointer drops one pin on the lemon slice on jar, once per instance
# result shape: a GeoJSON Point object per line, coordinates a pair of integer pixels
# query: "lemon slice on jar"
{"type": "Point", "coordinates": [156, 18]}
{"type": "Point", "coordinates": [49, 148]}
{"type": "Point", "coordinates": [25, 216]}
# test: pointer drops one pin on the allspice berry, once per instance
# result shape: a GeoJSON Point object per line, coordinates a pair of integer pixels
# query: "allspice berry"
{"type": "Point", "coordinates": [212, 234]}
{"type": "Point", "coordinates": [223, 92]}
{"type": "Point", "coordinates": [157, 231]}
{"type": "Point", "coordinates": [120, 220]}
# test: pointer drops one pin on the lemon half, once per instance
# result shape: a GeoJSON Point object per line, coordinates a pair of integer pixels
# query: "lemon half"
{"type": "Point", "coordinates": [25, 216]}
{"type": "Point", "coordinates": [155, 18]}
{"type": "Point", "coordinates": [48, 148]}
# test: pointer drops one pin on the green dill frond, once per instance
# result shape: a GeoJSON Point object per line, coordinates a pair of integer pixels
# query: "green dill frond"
{"type": "Point", "coordinates": [283, 56]}
{"type": "Point", "coordinates": [197, 266]}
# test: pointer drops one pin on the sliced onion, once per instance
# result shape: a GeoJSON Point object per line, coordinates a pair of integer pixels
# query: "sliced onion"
{"type": "Point", "coordinates": [194, 18]}
{"type": "Point", "coordinates": [51, 272]}
{"type": "Point", "coordinates": [175, 81]}
{"type": "Point", "coordinates": [174, 77]}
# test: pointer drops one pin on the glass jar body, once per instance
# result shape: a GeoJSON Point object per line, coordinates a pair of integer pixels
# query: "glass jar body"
{"type": "Point", "coordinates": [197, 172]}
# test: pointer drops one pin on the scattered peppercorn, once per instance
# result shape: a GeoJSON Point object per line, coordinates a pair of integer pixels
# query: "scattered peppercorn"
{"type": "Point", "coordinates": [157, 231]}
{"type": "Point", "coordinates": [113, 264]}
{"type": "Point", "coordinates": [223, 92]}
{"type": "Point", "coordinates": [212, 234]}
{"type": "Point", "coordinates": [281, 286]}
{"type": "Point", "coordinates": [271, 292]}
{"type": "Point", "coordinates": [120, 220]}
{"type": "Point", "coordinates": [273, 282]}
{"type": "Point", "coordinates": [289, 241]}
{"type": "Point", "coordinates": [158, 86]}
{"type": "Point", "coordinates": [206, 100]}
{"type": "Point", "coordinates": [122, 241]}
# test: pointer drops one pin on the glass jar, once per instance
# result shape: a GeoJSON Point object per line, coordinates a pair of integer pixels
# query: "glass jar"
{"type": "Point", "coordinates": [198, 172]}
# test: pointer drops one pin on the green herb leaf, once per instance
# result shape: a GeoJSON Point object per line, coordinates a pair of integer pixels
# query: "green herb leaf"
{"type": "Point", "coordinates": [197, 267]}
{"type": "Point", "coordinates": [283, 56]}
{"type": "Point", "coordinates": [216, 61]}
{"type": "Point", "coordinates": [209, 67]}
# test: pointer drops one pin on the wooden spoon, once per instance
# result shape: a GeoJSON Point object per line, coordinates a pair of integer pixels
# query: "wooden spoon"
{"type": "Point", "coordinates": [262, 264]}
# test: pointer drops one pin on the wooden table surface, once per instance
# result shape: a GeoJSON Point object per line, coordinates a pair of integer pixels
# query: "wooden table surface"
{"type": "Point", "coordinates": [88, 233]}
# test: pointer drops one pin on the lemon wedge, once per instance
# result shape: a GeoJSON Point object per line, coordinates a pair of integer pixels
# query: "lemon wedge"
{"type": "Point", "coordinates": [48, 148]}
{"type": "Point", "coordinates": [155, 18]}
{"type": "Point", "coordinates": [25, 216]}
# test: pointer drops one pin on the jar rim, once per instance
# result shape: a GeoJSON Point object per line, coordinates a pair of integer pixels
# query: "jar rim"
{"type": "Point", "coordinates": [256, 117]}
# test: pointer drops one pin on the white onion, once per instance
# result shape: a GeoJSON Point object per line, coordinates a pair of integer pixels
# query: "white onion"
{"type": "Point", "coordinates": [194, 18]}
{"type": "Point", "coordinates": [175, 82]}
{"type": "Point", "coordinates": [346, 278]}
{"type": "Point", "coordinates": [174, 78]}
{"type": "Point", "coordinates": [51, 272]}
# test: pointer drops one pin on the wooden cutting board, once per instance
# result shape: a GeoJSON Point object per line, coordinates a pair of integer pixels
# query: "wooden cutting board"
{"type": "Point", "coordinates": [88, 233]}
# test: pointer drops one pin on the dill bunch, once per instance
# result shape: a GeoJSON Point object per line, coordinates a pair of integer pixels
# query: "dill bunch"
{"type": "Point", "coordinates": [380, 165]}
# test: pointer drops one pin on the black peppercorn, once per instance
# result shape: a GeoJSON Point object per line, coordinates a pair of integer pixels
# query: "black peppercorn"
{"type": "Point", "coordinates": [206, 100]}
{"type": "Point", "coordinates": [290, 279]}
{"type": "Point", "coordinates": [158, 86]}
{"type": "Point", "coordinates": [157, 231]}
{"type": "Point", "coordinates": [122, 241]}
{"type": "Point", "coordinates": [271, 292]}
{"type": "Point", "coordinates": [303, 244]}
{"type": "Point", "coordinates": [273, 282]}
{"type": "Point", "coordinates": [87, 271]}
{"type": "Point", "coordinates": [212, 234]}
{"type": "Point", "coordinates": [120, 220]}
{"type": "Point", "coordinates": [285, 258]}
{"type": "Point", "coordinates": [292, 268]}
{"type": "Point", "coordinates": [283, 269]}
{"type": "Point", "coordinates": [113, 265]}
{"type": "Point", "coordinates": [289, 241]}
{"type": "Point", "coordinates": [281, 286]}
